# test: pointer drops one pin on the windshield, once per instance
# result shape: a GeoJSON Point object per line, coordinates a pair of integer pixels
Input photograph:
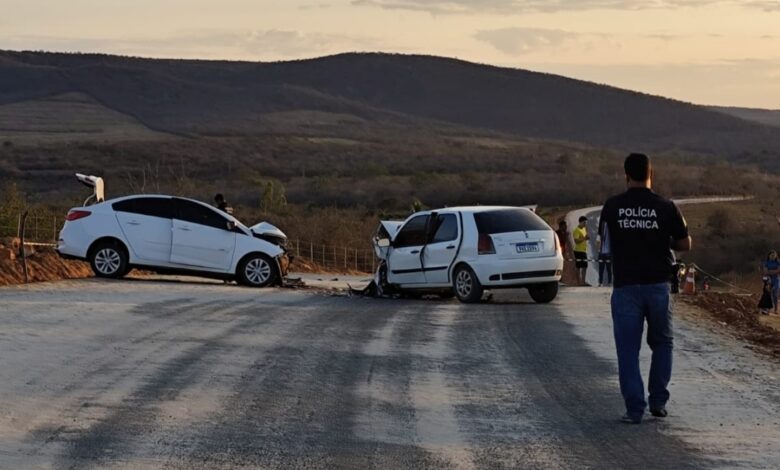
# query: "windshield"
{"type": "Point", "coordinates": [509, 220]}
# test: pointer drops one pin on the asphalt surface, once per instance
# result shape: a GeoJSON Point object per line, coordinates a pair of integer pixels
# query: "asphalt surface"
{"type": "Point", "coordinates": [150, 374]}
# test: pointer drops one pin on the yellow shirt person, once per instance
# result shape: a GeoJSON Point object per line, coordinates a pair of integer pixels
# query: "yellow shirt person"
{"type": "Point", "coordinates": [581, 239]}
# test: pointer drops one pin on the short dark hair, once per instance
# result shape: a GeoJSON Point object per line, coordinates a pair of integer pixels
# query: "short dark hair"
{"type": "Point", "coordinates": [583, 218]}
{"type": "Point", "coordinates": [638, 167]}
{"type": "Point", "coordinates": [219, 197]}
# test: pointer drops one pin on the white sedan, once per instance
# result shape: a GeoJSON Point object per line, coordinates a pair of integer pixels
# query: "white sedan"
{"type": "Point", "coordinates": [465, 250]}
{"type": "Point", "coordinates": [172, 235]}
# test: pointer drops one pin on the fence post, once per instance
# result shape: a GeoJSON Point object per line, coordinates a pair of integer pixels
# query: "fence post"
{"type": "Point", "coordinates": [22, 251]}
{"type": "Point", "coordinates": [19, 226]}
{"type": "Point", "coordinates": [323, 254]}
{"type": "Point", "coordinates": [297, 247]}
{"type": "Point", "coordinates": [54, 229]}
{"type": "Point", "coordinates": [311, 251]}
{"type": "Point", "coordinates": [356, 259]}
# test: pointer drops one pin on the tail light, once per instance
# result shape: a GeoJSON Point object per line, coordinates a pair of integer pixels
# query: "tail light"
{"type": "Point", "coordinates": [485, 245]}
{"type": "Point", "coordinates": [557, 243]}
{"type": "Point", "coordinates": [76, 215]}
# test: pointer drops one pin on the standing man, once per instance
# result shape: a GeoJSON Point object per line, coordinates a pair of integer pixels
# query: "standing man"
{"type": "Point", "coordinates": [581, 238]}
{"type": "Point", "coordinates": [643, 230]}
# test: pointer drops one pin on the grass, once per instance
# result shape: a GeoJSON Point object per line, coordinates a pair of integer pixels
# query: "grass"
{"type": "Point", "coordinates": [68, 117]}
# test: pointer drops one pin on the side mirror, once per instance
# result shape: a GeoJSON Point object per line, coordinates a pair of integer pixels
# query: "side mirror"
{"type": "Point", "coordinates": [383, 242]}
{"type": "Point", "coordinates": [231, 225]}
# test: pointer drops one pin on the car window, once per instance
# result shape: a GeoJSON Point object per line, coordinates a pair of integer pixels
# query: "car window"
{"type": "Point", "coordinates": [448, 228]}
{"type": "Point", "coordinates": [509, 220]}
{"type": "Point", "coordinates": [412, 233]}
{"type": "Point", "coordinates": [152, 206]}
{"type": "Point", "coordinates": [190, 211]}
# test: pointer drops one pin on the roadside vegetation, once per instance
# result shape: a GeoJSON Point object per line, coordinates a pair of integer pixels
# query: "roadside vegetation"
{"type": "Point", "coordinates": [333, 191]}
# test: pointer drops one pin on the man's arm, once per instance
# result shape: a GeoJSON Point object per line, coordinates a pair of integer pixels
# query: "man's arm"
{"type": "Point", "coordinates": [681, 240]}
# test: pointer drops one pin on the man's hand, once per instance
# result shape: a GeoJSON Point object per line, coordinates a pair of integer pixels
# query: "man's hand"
{"type": "Point", "coordinates": [684, 244]}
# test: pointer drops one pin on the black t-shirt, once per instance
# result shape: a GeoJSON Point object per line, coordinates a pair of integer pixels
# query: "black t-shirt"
{"type": "Point", "coordinates": [641, 227]}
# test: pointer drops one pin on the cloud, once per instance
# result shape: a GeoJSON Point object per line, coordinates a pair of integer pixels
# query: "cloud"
{"type": "Point", "coordinates": [524, 40]}
{"type": "Point", "coordinates": [522, 6]}
{"type": "Point", "coordinates": [766, 5]}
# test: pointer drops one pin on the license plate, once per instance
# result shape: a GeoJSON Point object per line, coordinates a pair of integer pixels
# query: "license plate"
{"type": "Point", "coordinates": [527, 247]}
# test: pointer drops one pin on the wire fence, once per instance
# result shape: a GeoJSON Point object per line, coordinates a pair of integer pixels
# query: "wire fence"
{"type": "Point", "coordinates": [335, 257]}
{"type": "Point", "coordinates": [38, 228]}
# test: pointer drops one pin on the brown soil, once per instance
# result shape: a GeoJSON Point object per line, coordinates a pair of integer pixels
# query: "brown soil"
{"type": "Point", "coordinates": [42, 265]}
{"type": "Point", "coordinates": [739, 315]}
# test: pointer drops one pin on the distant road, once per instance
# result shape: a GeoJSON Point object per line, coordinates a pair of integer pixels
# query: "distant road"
{"type": "Point", "coordinates": [593, 214]}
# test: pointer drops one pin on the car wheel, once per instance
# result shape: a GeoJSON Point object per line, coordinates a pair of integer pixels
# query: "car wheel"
{"type": "Point", "coordinates": [544, 293]}
{"type": "Point", "coordinates": [109, 259]}
{"type": "Point", "coordinates": [466, 285]}
{"type": "Point", "coordinates": [257, 270]}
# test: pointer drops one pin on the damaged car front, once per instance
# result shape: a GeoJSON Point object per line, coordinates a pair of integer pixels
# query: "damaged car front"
{"type": "Point", "coordinates": [272, 234]}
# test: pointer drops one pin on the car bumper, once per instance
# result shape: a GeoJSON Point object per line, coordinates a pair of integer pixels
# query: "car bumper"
{"type": "Point", "coordinates": [518, 273]}
{"type": "Point", "coordinates": [68, 251]}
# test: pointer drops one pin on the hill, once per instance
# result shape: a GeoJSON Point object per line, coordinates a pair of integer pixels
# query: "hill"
{"type": "Point", "coordinates": [353, 95]}
{"type": "Point", "coordinates": [769, 117]}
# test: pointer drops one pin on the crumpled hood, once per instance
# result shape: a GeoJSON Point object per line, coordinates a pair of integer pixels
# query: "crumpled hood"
{"type": "Point", "coordinates": [264, 228]}
{"type": "Point", "coordinates": [386, 229]}
{"type": "Point", "coordinates": [391, 226]}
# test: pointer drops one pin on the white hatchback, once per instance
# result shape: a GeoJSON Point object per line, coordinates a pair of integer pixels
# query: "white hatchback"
{"type": "Point", "coordinates": [465, 250]}
{"type": "Point", "coordinates": [173, 235]}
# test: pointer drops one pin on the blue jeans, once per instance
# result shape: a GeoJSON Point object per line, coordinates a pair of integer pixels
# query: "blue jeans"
{"type": "Point", "coordinates": [631, 307]}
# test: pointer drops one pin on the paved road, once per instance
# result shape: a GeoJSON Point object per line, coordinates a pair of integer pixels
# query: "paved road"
{"type": "Point", "coordinates": [151, 374]}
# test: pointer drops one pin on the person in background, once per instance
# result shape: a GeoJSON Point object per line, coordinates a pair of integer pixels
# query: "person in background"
{"type": "Point", "coordinates": [772, 270]}
{"type": "Point", "coordinates": [581, 238]}
{"type": "Point", "coordinates": [765, 303]}
{"type": "Point", "coordinates": [563, 235]}
{"type": "Point", "coordinates": [605, 258]}
{"type": "Point", "coordinates": [221, 203]}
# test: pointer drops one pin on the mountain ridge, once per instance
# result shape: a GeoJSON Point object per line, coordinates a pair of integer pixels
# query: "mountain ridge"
{"type": "Point", "coordinates": [202, 97]}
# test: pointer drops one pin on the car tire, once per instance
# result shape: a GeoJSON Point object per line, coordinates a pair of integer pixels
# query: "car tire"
{"type": "Point", "coordinates": [466, 286]}
{"type": "Point", "coordinates": [257, 270]}
{"type": "Point", "coordinates": [109, 260]}
{"type": "Point", "coordinates": [544, 293]}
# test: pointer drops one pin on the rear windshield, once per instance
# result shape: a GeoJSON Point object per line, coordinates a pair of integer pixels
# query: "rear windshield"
{"type": "Point", "coordinates": [509, 220]}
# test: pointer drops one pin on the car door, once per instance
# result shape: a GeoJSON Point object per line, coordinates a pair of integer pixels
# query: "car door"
{"type": "Point", "coordinates": [146, 224]}
{"type": "Point", "coordinates": [404, 262]}
{"type": "Point", "coordinates": [201, 237]}
{"type": "Point", "coordinates": [441, 249]}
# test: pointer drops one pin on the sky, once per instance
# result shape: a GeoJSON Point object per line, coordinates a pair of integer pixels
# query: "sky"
{"type": "Point", "coordinates": [718, 52]}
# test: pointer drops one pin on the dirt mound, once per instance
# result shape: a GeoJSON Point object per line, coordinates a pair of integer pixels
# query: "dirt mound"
{"type": "Point", "coordinates": [739, 313]}
{"type": "Point", "coordinates": [42, 265]}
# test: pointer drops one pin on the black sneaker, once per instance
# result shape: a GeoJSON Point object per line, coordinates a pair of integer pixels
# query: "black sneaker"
{"type": "Point", "coordinates": [659, 412]}
{"type": "Point", "coordinates": [628, 419]}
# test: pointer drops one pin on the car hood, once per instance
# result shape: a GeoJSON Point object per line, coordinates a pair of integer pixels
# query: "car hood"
{"type": "Point", "coordinates": [264, 228]}
{"type": "Point", "coordinates": [386, 229]}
